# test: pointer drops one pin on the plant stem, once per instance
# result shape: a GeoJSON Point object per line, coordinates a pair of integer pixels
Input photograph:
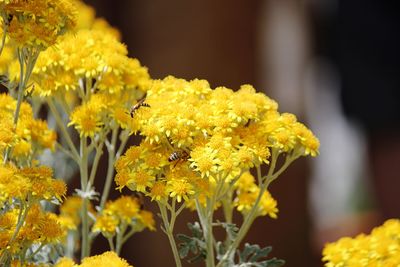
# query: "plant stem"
{"type": "Point", "coordinates": [83, 166]}
{"type": "Point", "coordinates": [3, 38]}
{"type": "Point", "coordinates": [37, 251]}
{"type": "Point", "coordinates": [110, 243]}
{"type": "Point", "coordinates": [110, 167]}
{"type": "Point", "coordinates": [124, 136]}
{"type": "Point", "coordinates": [169, 227]}
{"type": "Point", "coordinates": [63, 129]}
{"type": "Point", "coordinates": [128, 235]}
{"type": "Point", "coordinates": [120, 234]}
{"type": "Point", "coordinates": [93, 171]}
{"type": "Point", "coordinates": [23, 212]}
{"type": "Point", "coordinates": [208, 233]}
{"type": "Point", "coordinates": [252, 214]}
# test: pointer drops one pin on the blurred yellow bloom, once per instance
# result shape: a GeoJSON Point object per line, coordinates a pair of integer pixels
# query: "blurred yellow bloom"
{"type": "Point", "coordinates": [380, 248]}
{"type": "Point", "coordinates": [104, 260]}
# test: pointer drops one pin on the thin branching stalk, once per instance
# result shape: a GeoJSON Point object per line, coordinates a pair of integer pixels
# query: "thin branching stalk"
{"type": "Point", "coordinates": [111, 243]}
{"type": "Point", "coordinates": [110, 167]}
{"type": "Point", "coordinates": [23, 212]}
{"type": "Point", "coordinates": [64, 131]}
{"type": "Point", "coordinates": [96, 160]}
{"type": "Point", "coordinates": [83, 167]}
{"type": "Point", "coordinates": [252, 214]}
{"type": "Point", "coordinates": [3, 38]}
{"type": "Point", "coordinates": [169, 227]}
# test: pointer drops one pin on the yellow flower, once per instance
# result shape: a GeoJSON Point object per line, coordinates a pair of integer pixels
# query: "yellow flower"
{"type": "Point", "coordinates": [104, 260]}
{"type": "Point", "coordinates": [22, 149]}
{"type": "Point", "coordinates": [180, 189]}
{"type": "Point", "coordinates": [204, 160]}
{"type": "Point", "coordinates": [380, 248]}
{"type": "Point", "coordinates": [38, 23]}
{"type": "Point", "coordinates": [122, 178]}
{"type": "Point", "coordinates": [86, 120]}
{"type": "Point", "coordinates": [106, 224]}
{"type": "Point", "coordinates": [147, 219]}
{"type": "Point", "coordinates": [140, 179]}
{"type": "Point", "coordinates": [12, 184]}
{"type": "Point", "coordinates": [158, 191]}
{"type": "Point", "coordinates": [246, 199]}
{"type": "Point", "coordinates": [71, 208]}
{"type": "Point", "coordinates": [125, 207]}
{"type": "Point", "coordinates": [65, 262]}
{"type": "Point", "coordinates": [8, 220]}
{"type": "Point", "coordinates": [50, 229]}
{"type": "Point", "coordinates": [245, 157]}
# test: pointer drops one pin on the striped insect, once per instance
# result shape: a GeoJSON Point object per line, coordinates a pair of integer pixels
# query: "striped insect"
{"type": "Point", "coordinates": [178, 155]}
{"type": "Point", "coordinates": [140, 103]}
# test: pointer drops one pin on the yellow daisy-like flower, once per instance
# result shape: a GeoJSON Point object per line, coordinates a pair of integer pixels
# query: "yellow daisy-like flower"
{"type": "Point", "coordinates": [140, 179]}
{"type": "Point", "coordinates": [125, 207]}
{"type": "Point", "coordinates": [147, 219]}
{"type": "Point", "coordinates": [204, 160]}
{"type": "Point", "coordinates": [245, 157]}
{"type": "Point", "coordinates": [158, 191]}
{"type": "Point", "coordinates": [106, 224]}
{"type": "Point", "coordinates": [50, 229]}
{"type": "Point", "coordinates": [86, 120]}
{"type": "Point", "coordinates": [180, 189]}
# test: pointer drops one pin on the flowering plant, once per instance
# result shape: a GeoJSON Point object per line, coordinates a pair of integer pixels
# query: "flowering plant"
{"type": "Point", "coordinates": [199, 145]}
{"type": "Point", "coordinates": [380, 248]}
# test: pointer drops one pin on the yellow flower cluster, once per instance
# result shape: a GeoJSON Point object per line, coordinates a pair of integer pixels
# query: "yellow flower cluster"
{"type": "Point", "coordinates": [37, 23]}
{"type": "Point", "coordinates": [122, 213]}
{"type": "Point", "coordinates": [93, 66]}
{"type": "Point", "coordinates": [195, 137]}
{"type": "Point", "coordinates": [246, 194]}
{"type": "Point", "coordinates": [39, 228]}
{"type": "Point", "coordinates": [89, 56]}
{"type": "Point", "coordinates": [29, 138]}
{"type": "Point", "coordinates": [380, 248]}
{"type": "Point", "coordinates": [70, 211]}
{"type": "Point", "coordinates": [104, 260]}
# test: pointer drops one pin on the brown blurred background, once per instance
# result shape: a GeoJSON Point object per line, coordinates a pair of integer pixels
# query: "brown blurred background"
{"type": "Point", "coordinates": [285, 48]}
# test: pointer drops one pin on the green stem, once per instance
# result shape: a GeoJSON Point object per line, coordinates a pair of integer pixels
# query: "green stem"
{"type": "Point", "coordinates": [208, 233]}
{"type": "Point", "coordinates": [110, 167]}
{"type": "Point", "coordinates": [3, 38]}
{"type": "Point", "coordinates": [120, 235]}
{"type": "Point", "coordinates": [252, 214]}
{"type": "Point", "coordinates": [228, 214]}
{"type": "Point", "coordinates": [63, 129]}
{"type": "Point", "coordinates": [23, 212]}
{"type": "Point", "coordinates": [169, 231]}
{"type": "Point", "coordinates": [83, 166]}
{"type": "Point", "coordinates": [124, 136]}
{"type": "Point", "coordinates": [128, 235]}
{"type": "Point", "coordinates": [62, 100]}
{"type": "Point", "coordinates": [36, 252]}
{"type": "Point", "coordinates": [111, 243]}
{"type": "Point", "coordinates": [21, 86]}
{"type": "Point", "coordinates": [93, 171]}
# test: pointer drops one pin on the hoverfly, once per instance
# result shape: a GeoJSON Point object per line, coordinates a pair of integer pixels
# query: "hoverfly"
{"type": "Point", "coordinates": [139, 104]}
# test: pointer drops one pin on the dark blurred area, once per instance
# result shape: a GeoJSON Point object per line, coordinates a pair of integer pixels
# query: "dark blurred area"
{"type": "Point", "coordinates": [278, 46]}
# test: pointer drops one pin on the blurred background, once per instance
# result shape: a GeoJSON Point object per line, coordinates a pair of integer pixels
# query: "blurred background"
{"type": "Point", "coordinates": [334, 63]}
